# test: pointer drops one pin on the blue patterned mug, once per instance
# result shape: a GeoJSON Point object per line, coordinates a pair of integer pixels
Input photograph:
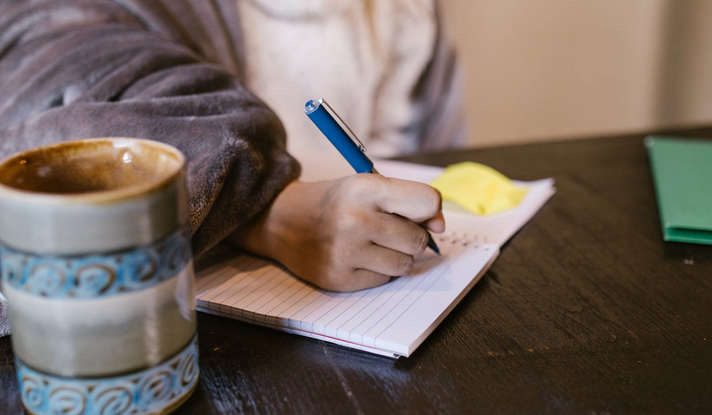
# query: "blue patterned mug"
{"type": "Point", "coordinates": [97, 271]}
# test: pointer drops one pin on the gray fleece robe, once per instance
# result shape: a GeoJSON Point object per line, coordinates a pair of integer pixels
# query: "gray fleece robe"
{"type": "Point", "coordinates": [167, 70]}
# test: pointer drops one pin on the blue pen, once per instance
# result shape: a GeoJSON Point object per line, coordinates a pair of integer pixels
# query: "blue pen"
{"type": "Point", "coordinates": [341, 136]}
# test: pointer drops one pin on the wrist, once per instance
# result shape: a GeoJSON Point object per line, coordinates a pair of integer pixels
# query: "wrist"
{"type": "Point", "coordinates": [268, 234]}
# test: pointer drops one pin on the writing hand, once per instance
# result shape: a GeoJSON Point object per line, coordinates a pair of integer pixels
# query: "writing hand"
{"type": "Point", "coordinates": [347, 234]}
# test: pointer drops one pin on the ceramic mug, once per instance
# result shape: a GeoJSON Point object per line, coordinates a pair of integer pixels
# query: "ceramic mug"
{"type": "Point", "coordinates": [98, 275]}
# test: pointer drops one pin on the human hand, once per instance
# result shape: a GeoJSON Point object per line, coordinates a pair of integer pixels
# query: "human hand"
{"type": "Point", "coordinates": [348, 234]}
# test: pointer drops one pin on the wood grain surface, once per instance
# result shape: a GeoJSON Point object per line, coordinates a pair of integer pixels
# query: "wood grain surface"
{"type": "Point", "coordinates": [586, 311]}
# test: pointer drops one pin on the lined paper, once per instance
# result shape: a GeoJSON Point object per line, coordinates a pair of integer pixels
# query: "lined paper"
{"type": "Point", "coordinates": [394, 318]}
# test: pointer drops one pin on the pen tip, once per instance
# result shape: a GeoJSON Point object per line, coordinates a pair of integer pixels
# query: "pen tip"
{"type": "Point", "coordinates": [433, 246]}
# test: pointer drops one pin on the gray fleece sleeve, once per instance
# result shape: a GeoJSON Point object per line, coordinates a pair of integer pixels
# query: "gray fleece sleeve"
{"type": "Point", "coordinates": [166, 70]}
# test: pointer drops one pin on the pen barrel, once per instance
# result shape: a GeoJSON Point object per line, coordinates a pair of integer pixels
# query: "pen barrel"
{"type": "Point", "coordinates": [338, 137]}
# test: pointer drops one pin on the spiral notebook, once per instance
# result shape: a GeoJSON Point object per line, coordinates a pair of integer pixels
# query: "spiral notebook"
{"type": "Point", "coordinates": [391, 320]}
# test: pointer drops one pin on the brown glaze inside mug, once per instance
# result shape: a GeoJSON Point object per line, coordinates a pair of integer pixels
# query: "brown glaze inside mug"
{"type": "Point", "coordinates": [92, 165]}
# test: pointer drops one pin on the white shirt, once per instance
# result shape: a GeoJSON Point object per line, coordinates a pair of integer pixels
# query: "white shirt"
{"type": "Point", "coordinates": [365, 63]}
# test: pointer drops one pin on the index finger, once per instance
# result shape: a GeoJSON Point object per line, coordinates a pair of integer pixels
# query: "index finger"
{"type": "Point", "coordinates": [413, 200]}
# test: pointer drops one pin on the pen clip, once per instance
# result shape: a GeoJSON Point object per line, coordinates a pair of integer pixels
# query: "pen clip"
{"type": "Point", "coordinates": [343, 125]}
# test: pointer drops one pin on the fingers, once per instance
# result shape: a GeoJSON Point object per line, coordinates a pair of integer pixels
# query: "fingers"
{"type": "Point", "coordinates": [397, 233]}
{"type": "Point", "coordinates": [359, 279]}
{"type": "Point", "coordinates": [399, 208]}
{"type": "Point", "coordinates": [383, 263]}
{"type": "Point", "coordinates": [413, 200]}
{"type": "Point", "coordinates": [387, 261]}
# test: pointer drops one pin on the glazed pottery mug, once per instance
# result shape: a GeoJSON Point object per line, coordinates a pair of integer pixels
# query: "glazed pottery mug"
{"type": "Point", "coordinates": [97, 272]}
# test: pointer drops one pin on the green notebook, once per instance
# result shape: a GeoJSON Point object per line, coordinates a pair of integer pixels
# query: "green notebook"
{"type": "Point", "coordinates": [682, 172]}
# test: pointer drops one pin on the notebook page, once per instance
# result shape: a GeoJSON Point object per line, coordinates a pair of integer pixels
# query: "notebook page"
{"type": "Point", "coordinates": [393, 318]}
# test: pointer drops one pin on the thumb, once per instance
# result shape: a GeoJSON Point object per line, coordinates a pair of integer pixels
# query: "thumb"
{"type": "Point", "coordinates": [436, 224]}
{"type": "Point", "coordinates": [416, 201]}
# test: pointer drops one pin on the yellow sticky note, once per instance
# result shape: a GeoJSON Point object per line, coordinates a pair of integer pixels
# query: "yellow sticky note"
{"type": "Point", "coordinates": [478, 188]}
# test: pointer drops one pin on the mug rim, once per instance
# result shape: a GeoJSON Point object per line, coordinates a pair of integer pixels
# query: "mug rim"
{"type": "Point", "coordinates": [101, 196]}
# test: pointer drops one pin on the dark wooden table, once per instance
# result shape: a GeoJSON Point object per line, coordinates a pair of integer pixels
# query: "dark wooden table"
{"type": "Point", "coordinates": [586, 311]}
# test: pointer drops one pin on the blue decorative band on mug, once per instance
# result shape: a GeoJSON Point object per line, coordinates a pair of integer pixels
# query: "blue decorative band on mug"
{"type": "Point", "coordinates": [155, 390]}
{"type": "Point", "coordinates": [92, 276]}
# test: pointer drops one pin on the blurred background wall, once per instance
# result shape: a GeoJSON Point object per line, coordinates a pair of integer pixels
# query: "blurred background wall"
{"type": "Point", "coordinates": [553, 69]}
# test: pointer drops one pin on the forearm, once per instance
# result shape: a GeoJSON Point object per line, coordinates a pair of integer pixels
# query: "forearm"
{"type": "Point", "coordinates": [290, 226]}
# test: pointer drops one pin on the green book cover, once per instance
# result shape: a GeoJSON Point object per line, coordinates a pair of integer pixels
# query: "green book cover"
{"type": "Point", "coordinates": [682, 173]}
